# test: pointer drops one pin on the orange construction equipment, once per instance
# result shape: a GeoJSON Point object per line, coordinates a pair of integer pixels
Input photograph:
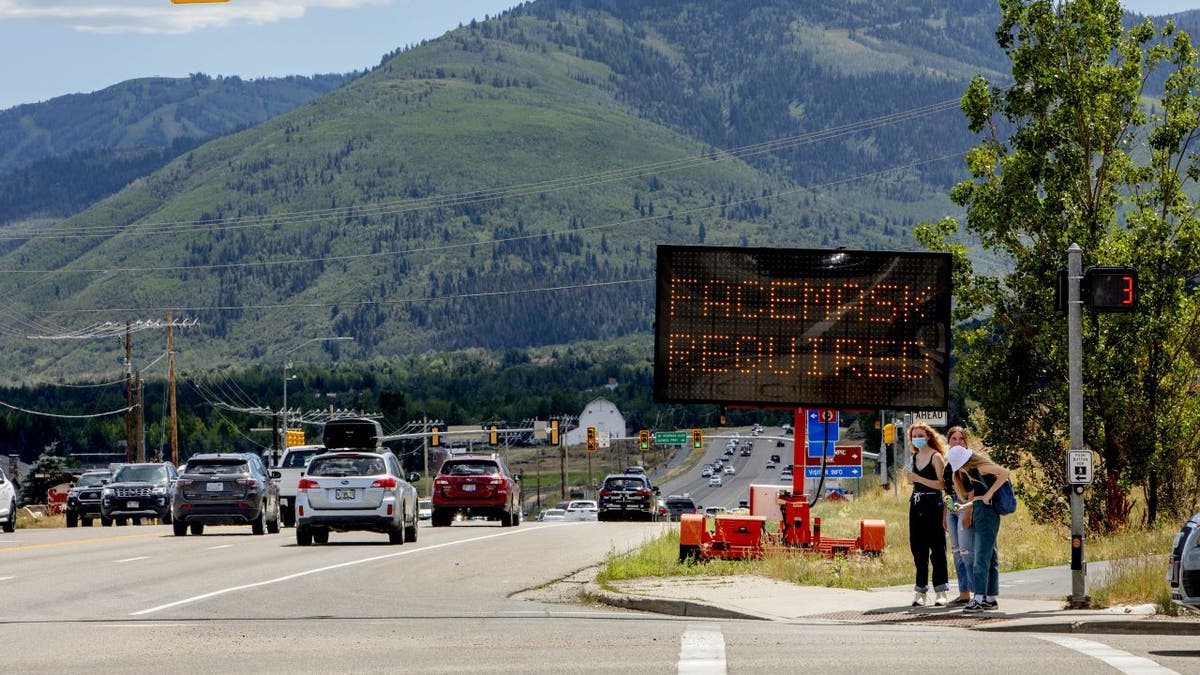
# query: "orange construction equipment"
{"type": "Point", "coordinates": [738, 536]}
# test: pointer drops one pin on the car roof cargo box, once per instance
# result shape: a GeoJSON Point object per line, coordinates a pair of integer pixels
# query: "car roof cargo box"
{"type": "Point", "coordinates": [352, 433]}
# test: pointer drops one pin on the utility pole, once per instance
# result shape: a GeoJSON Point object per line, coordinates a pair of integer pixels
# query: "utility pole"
{"type": "Point", "coordinates": [1079, 596]}
{"type": "Point", "coordinates": [140, 435]}
{"type": "Point", "coordinates": [129, 445]}
{"type": "Point", "coordinates": [171, 390]}
{"type": "Point", "coordinates": [425, 452]}
{"type": "Point", "coordinates": [562, 464]}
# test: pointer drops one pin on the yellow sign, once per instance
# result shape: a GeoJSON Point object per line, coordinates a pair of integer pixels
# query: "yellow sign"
{"type": "Point", "coordinates": [295, 437]}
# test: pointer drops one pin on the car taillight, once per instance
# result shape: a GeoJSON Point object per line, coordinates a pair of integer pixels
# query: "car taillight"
{"type": "Point", "coordinates": [185, 482]}
{"type": "Point", "coordinates": [388, 482]}
{"type": "Point", "coordinates": [496, 481]}
{"type": "Point", "coordinates": [307, 484]}
{"type": "Point", "coordinates": [251, 483]}
{"type": "Point", "coordinates": [605, 493]}
{"type": "Point", "coordinates": [644, 492]}
{"type": "Point", "coordinates": [441, 481]}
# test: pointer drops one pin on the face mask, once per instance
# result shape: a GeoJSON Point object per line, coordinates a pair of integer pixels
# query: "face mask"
{"type": "Point", "coordinates": [919, 443]}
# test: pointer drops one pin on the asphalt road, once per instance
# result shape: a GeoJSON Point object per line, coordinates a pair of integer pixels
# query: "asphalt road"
{"type": "Point", "coordinates": [473, 598]}
{"type": "Point", "coordinates": [747, 470]}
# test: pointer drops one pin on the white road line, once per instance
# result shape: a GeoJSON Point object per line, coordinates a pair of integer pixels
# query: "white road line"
{"type": "Point", "coordinates": [6, 578]}
{"type": "Point", "coordinates": [702, 650]}
{"type": "Point", "coordinates": [213, 548]}
{"type": "Point", "coordinates": [1121, 660]}
{"type": "Point", "coordinates": [140, 557]}
{"type": "Point", "coordinates": [350, 563]}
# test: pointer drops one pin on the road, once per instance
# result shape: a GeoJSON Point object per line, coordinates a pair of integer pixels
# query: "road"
{"type": "Point", "coordinates": [748, 470]}
{"type": "Point", "coordinates": [473, 598]}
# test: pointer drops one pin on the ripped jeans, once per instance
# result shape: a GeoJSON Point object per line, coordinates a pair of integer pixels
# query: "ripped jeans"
{"type": "Point", "coordinates": [961, 543]}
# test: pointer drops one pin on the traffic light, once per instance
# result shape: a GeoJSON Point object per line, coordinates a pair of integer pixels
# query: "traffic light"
{"type": "Point", "coordinates": [434, 440]}
{"type": "Point", "coordinates": [697, 439]}
{"type": "Point", "coordinates": [493, 436]}
{"type": "Point", "coordinates": [644, 439]}
{"type": "Point", "coordinates": [889, 433]}
{"type": "Point", "coordinates": [553, 432]}
{"type": "Point", "coordinates": [591, 439]}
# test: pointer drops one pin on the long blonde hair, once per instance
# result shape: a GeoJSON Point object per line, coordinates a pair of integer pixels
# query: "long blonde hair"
{"type": "Point", "coordinates": [976, 460]}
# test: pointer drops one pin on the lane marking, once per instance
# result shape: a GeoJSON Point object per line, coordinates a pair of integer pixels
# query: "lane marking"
{"type": "Point", "coordinates": [213, 548]}
{"type": "Point", "coordinates": [1121, 660]}
{"type": "Point", "coordinates": [29, 547]}
{"type": "Point", "coordinates": [349, 563]}
{"type": "Point", "coordinates": [702, 650]}
{"type": "Point", "coordinates": [140, 557]}
{"type": "Point", "coordinates": [6, 578]}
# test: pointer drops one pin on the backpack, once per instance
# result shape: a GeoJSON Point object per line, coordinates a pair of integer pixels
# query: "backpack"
{"type": "Point", "coordinates": [1004, 500]}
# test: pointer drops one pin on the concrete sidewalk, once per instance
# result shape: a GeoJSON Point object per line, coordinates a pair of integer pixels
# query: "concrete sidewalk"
{"type": "Point", "coordinates": [749, 597]}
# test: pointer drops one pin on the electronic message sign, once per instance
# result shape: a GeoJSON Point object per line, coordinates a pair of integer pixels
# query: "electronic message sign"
{"type": "Point", "coordinates": [801, 327]}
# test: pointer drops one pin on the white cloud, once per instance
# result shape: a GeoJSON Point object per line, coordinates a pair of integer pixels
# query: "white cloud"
{"type": "Point", "coordinates": [162, 16]}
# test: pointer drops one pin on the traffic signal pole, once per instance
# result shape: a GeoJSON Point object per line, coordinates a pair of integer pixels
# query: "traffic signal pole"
{"type": "Point", "coordinates": [1075, 414]}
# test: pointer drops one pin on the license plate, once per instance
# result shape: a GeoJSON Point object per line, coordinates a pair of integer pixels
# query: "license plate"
{"type": "Point", "coordinates": [343, 493]}
{"type": "Point", "coordinates": [132, 505]}
{"type": "Point", "coordinates": [216, 487]}
{"type": "Point", "coordinates": [469, 487]}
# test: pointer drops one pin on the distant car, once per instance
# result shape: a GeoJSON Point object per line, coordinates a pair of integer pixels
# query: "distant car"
{"type": "Point", "coordinates": [715, 481]}
{"type": "Point", "coordinates": [359, 491]}
{"type": "Point", "coordinates": [225, 489]}
{"type": "Point", "coordinates": [138, 491]}
{"type": "Point", "coordinates": [582, 509]}
{"type": "Point", "coordinates": [290, 469]}
{"type": "Point", "coordinates": [771, 465]}
{"type": "Point", "coordinates": [476, 485]}
{"type": "Point", "coordinates": [729, 470]}
{"type": "Point", "coordinates": [775, 459]}
{"type": "Point", "coordinates": [627, 496]}
{"type": "Point", "coordinates": [425, 509]}
{"type": "Point", "coordinates": [83, 500]}
{"type": "Point", "coordinates": [677, 505]}
{"type": "Point", "coordinates": [8, 503]}
{"type": "Point", "coordinates": [706, 472]}
{"type": "Point", "coordinates": [635, 470]}
{"type": "Point", "coordinates": [711, 511]}
{"type": "Point", "coordinates": [779, 444]}
{"type": "Point", "coordinates": [553, 514]}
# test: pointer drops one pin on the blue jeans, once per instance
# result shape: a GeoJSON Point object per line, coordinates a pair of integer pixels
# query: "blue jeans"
{"type": "Point", "coordinates": [985, 569]}
{"type": "Point", "coordinates": [961, 544]}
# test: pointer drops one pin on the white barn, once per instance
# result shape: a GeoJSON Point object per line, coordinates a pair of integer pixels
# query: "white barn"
{"type": "Point", "coordinates": [602, 414]}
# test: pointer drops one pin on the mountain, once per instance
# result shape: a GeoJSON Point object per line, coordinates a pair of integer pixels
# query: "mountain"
{"type": "Point", "coordinates": [151, 112]}
{"type": "Point", "coordinates": [505, 185]}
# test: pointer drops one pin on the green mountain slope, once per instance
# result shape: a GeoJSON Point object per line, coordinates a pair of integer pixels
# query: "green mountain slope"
{"type": "Point", "coordinates": [361, 214]}
{"type": "Point", "coordinates": [148, 113]}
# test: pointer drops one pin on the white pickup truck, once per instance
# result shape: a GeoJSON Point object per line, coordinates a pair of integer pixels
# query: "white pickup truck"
{"type": "Point", "coordinates": [290, 468]}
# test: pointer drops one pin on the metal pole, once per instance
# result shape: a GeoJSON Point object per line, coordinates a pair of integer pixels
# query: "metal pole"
{"type": "Point", "coordinates": [129, 444]}
{"type": "Point", "coordinates": [283, 413]}
{"type": "Point", "coordinates": [171, 379]}
{"type": "Point", "coordinates": [425, 451]}
{"type": "Point", "coordinates": [1075, 415]}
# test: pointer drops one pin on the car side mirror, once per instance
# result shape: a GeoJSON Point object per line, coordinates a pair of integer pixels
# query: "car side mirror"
{"type": "Point", "coordinates": [517, 477]}
{"type": "Point", "coordinates": [276, 474]}
{"type": "Point", "coordinates": [413, 477]}
{"type": "Point", "coordinates": [70, 485]}
{"type": "Point", "coordinates": [656, 490]}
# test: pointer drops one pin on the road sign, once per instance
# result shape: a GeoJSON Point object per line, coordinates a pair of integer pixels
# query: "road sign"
{"type": "Point", "coordinates": [843, 461]}
{"type": "Point", "coordinates": [1079, 467]}
{"type": "Point", "coordinates": [604, 440]}
{"type": "Point", "coordinates": [822, 425]}
{"type": "Point", "coordinates": [670, 437]}
{"type": "Point", "coordinates": [934, 418]}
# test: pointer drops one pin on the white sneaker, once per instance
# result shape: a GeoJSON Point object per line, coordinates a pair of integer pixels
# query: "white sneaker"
{"type": "Point", "coordinates": [919, 599]}
{"type": "Point", "coordinates": [941, 599]}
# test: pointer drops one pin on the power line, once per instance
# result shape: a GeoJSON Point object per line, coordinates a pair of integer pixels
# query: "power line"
{"type": "Point", "coordinates": [40, 413]}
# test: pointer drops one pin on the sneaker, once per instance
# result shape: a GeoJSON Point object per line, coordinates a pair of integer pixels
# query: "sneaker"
{"type": "Point", "coordinates": [940, 601]}
{"type": "Point", "coordinates": [990, 604]}
{"type": "Point", "coordinates": [958, 601]}
{"type": "Point", "coordinates": [973, 606]}
{"type": "Point", "coordinates": [919, 599]}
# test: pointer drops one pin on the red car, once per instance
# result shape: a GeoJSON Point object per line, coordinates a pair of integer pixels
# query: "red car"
{"type": "Point", "coordinates": [476, 485]}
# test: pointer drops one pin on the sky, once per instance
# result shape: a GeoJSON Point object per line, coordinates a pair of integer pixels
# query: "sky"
{"type": "Point", "coordinates": [54, 47]}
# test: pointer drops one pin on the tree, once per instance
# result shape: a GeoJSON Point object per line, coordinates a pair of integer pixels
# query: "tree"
{"type": "Point", "coordinates": [1070, 155]}
{"type": "Point", "coordinates": [46, 471]}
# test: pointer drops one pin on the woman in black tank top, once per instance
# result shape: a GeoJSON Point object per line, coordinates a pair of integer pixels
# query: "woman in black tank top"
{"type": "Point", "coordinates": [926, 532]}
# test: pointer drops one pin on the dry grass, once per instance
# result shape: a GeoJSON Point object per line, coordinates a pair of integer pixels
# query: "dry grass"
{"type": "Point", "coordinates": [26, 521]}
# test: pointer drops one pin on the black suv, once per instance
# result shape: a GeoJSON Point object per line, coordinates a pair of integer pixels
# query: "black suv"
{"type": "Point", "coordinates": [225, 489]}
{"type": "Point", "coordinates": [677, 506]}
{"type": "Point", "coordinates": [83, 501]}
{"type": "Point", "coordinates": [626, 496]}
{"type": "Point", "coordinates": [138, 491]}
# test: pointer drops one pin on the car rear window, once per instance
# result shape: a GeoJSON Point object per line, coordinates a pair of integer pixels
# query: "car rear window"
{"type": "Point", "coordinates": [624, 483]}
{"type": "Point", "coordinates": [470, 468]}
{"type": "Point", "coordinates": [681, 503]}
{"type": "Point", "coordinates": [217, 468]}
{"type": "Point", "coordinates": [346, 466]}
{"type": "Point", "coordinates": [92, 479]}
{"type": "Point", "coordinates": [297, 460]}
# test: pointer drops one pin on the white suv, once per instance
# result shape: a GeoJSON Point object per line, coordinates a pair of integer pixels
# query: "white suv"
{"type": "Point", "coordinates": [8, 503]}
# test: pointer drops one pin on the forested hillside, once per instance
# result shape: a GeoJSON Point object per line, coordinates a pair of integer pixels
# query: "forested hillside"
{"type": "Point", "coordinates": [505, 186]}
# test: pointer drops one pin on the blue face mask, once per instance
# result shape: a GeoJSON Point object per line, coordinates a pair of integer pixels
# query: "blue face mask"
{"type": "Point", "coordinates": [919, 443]}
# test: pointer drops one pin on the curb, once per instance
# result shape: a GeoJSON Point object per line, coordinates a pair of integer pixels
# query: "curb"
{"type": "Point", "coordinates": [1146, 626]}
{"type": "Point", "coordinates": [668, 606]}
